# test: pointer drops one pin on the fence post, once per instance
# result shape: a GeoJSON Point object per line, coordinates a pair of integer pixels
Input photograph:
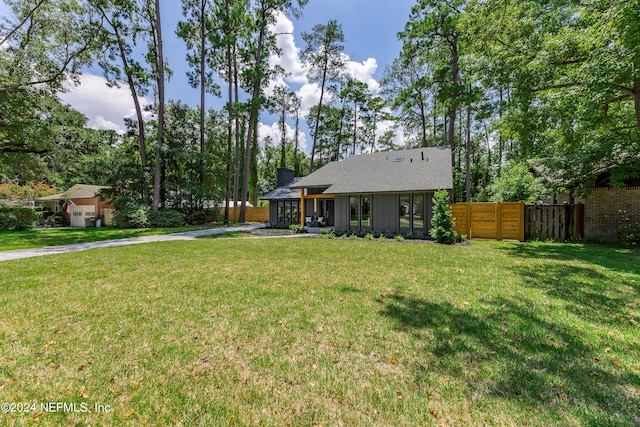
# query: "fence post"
{"type": "Point", "coordinates": [468, 218]}
{"type": "Point", "coordinates": [521, 221]}
{"type": "Point", "coordinates": [498, 221]}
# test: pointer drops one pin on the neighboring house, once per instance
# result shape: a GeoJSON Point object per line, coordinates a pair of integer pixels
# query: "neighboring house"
{"type": "Point", "coordinates": [88, 205]}
{"type": "Point", "coordinates": [605, 206]}
{"type": "Point", "coordinates": [387, 191]}
{"type": "Point", "coordinates": [233, 204]}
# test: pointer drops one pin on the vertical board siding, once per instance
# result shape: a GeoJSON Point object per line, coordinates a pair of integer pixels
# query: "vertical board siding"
{"type": "Point", "coordinates": [341, 212]}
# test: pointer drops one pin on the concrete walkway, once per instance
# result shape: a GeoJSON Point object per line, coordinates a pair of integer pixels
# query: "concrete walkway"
{"type": "Point", "coordinates": [187, 235]}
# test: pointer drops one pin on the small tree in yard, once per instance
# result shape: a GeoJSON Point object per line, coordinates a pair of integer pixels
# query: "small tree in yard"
{"type": "Point", "coordinates": [516, 183]}
{"type": "Point", "coordinates": [442, 221]}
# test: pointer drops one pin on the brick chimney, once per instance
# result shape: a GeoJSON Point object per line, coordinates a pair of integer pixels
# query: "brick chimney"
{"type": "Point", "coordinates": [285, 176]}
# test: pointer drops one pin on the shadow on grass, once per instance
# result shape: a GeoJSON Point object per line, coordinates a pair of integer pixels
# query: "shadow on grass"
{"type": "Point", "coordinates": [586, 290]}
{"type": "Point", "coordinates": [510, 351]}
{"type": "Point", "coordinates": [610, 257]}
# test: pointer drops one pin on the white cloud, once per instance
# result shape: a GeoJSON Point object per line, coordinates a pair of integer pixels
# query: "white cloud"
{"type": "Point", "coordinates": [363, 71]}
{"type": "Point", "coordinates": [105, 107]}
{"type": "Point", "coordinates": [309, 95]}
{"type": "Point", "coordinates": [289, 59]}
{"type": "Point", "coordinates": [296, 70]}
{"type": "Point", "coordinates": [384, 126]}
{"type": "Point", "coordinates": [273, 131]}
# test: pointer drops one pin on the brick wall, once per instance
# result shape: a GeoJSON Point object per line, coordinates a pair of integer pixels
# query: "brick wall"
{"type": "Point", "coordinates": [602, 211]}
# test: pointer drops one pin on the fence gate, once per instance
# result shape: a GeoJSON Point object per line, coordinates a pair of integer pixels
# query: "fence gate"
{"type": "Point", "coordinates": [558, 222]}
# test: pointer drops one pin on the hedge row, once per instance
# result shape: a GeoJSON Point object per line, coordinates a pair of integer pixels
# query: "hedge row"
{"type": "Point", "coordinates": [17, 219]}
{"type": "Point", "coordinates": [142, 216]}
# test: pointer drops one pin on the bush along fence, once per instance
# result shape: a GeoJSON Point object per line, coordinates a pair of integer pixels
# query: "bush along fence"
{"type": "Point", "coordinates": [517, 221]}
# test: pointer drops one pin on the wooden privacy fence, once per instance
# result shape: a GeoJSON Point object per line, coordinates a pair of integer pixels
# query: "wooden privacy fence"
{"type": "Point", "coordinates": [252, 214]}
{"type": "Point", "coordinates": [558, 222]}
{"type": "Point", "coordinates": [490, 220]}
{"type": "Point", "coordinates": [517, 221]}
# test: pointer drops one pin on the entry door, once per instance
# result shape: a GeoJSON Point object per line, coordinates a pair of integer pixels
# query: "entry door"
{"type": "Point", "coordinates": [326, 209]}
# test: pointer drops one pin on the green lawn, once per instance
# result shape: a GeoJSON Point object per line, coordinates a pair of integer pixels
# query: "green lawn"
{"type": "Point", "coordinates": [325, 332]}
{"type": "Point", "coordinates": [38, 238]}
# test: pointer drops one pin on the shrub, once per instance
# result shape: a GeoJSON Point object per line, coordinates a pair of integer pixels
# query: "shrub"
{"type": "Point", "coordinates": [410, 235]}
{"type": "Point", "coordinates": [132, 216]}
{"type": "Point", "coordinates": [166, 218]}
{"type": "Point", "coordinates": [443, 222]}
{"type": "Point", "coordinates": [628, 231]}
{"type": "Point", "coordinates": [516, 183]}
{"type": "Point", "coordinates": [197, 217]}
{"type": "Point", "coordinates": [17, 219]}
{"type": "Point", "coordinates": [213, 215]}
{"type": "Point", "coordinates": [399, 237]}
{"type": "Point", "coordinates": [299, 229]}
{"type": "Point", "coordinates": [369, 236]}
{"type": "Point", "coordinates": [327, 234]}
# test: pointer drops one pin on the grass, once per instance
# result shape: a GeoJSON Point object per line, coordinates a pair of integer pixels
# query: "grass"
{"type": "Point", "coordinates": [325, 332]}
{"type": "Point", "coordinates": [38, 238]}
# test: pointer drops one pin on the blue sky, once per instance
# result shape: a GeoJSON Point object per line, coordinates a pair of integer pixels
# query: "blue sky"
{"type": "Point", "coordinates": [370, 28]}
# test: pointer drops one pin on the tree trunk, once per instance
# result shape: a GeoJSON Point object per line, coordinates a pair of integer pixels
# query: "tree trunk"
{"type": "Point", "coordinates": [203, 50]}
{"type": "Point", "coordinates": [315, 132]}
{"type": "Point", "coordinates": [283, 130]}
{"type": "Point", "coordinates": [424, 123]}
{"type": "Point", "coordinates": [253, 169]}
{"type": "Point", "coordinates": [373, 143]}
{"type": "Point", "coordinates": [500, 141]}
{"type": "Point", "coordinates": [636, 98]}
{"type": "Point", "coordinates": [445, 134]}
{"type": "Point", "coordinates": [236, 168]}
{"type": "Point", "coordinates": [136, 102]}
{"type": "Point", "coordinates": [339, 144]}
{"type": "Point", "coordinates": [468, 157]}
{"type": "Point", "coordinates": [254, 110]}
{"type": "Point", "coordinates": [160, 78]}
{"type": "Point", "coordinates": [296, 165]}
{"type": "Point", "coordinates": [455, 79]}
{"type": "Point", "coordinates": [355, 127]}
{"type": "Point", "coordinates": [435, 124]}
{"type": "Point", "coordinates": [229, 134]}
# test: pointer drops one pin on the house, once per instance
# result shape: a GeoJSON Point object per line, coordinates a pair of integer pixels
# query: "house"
{"type": "Point", "coordinates": [284, 201]}
{"type": "Point", "coordinates": [86, 205]}
{"type": "Point", "coordinates": [387, 191]}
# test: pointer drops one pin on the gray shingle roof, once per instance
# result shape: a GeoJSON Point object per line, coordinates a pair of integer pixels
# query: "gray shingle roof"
{"type": "Point", "coordinates": [284, 193]}
{"type": "Point", "coordinates": [390, 172]}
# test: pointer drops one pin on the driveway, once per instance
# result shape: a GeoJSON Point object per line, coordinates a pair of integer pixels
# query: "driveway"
{"type": "Point", "coordinates": [187, 235]}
